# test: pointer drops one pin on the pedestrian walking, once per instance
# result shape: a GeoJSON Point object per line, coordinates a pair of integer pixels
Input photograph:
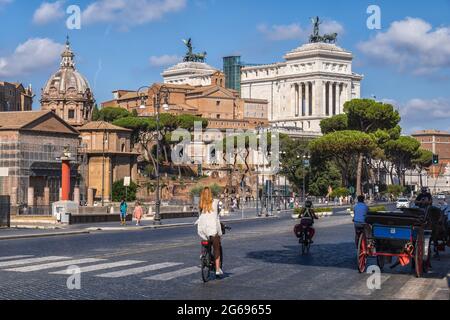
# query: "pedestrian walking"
{"type": "Point", "coordinates": [123, 212]}
{"type": "Point", "coordinates": [138, 213]}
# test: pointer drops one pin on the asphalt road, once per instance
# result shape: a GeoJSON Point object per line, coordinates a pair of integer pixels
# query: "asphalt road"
{"type": "Point", "coordinates": [262, 261]}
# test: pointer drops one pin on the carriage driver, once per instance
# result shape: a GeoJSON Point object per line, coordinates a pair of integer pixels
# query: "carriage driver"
{"type": "Point", "coordinates": [424, 199]}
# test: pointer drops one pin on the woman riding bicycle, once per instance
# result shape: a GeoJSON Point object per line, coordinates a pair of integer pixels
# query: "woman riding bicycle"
{"type": "Point", "coordinates": [208, 224]}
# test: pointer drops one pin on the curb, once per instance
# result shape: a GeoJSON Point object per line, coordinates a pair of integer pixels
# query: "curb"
{"type": "Point", "coordinates": [43, 235]}
{"type": "Point", "coordinates": [167, 226]}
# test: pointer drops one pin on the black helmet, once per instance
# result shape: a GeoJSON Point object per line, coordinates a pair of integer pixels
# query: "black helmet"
{"type": "Point", "coordinates": [308, 203]}
{"type": "Point", "coordinates": [424, 189]}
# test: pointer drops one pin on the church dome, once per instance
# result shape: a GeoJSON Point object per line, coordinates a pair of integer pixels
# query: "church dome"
{"type": "Point", "coordinates": [68, 93]}
{"type": "Point", "coordinates": [67, 78]}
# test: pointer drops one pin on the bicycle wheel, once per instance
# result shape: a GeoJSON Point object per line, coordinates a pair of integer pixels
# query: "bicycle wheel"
{"type": "Point", "coordinates": [304, 244]}
{"type": "Point", "coordinates": [206, 267]}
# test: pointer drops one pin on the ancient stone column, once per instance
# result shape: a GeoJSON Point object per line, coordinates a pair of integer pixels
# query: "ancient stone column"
{"type": "Point", "coordinates": [46, 196]}
{"type": "Point", "coordinates": [60, 194]}
{"type": "Point", "coordinates": [90, 197]}
{"type": "Point", "coordinates": [30, 200]}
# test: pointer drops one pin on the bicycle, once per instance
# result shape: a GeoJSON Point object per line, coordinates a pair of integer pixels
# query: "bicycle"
{"type": "Point", "coordinates": [305, 233]}
{"type": "Point", "coordinates": [207, 258]}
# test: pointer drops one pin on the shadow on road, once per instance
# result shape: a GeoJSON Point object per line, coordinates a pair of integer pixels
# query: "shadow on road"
{"type": "Point", "coordinates": [341, 255]}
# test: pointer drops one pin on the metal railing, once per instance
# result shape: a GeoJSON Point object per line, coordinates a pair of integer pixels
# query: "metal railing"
{"type": "Point", "coordinates": [25, 210]}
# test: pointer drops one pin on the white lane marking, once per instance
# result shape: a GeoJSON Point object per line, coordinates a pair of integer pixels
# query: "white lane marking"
{"type": "Point", "coordinates": [134, 271]}
{"type": "Point", "coordinates": [54, 265]}
{"type": "Point", "coordinates": [102, 266]}
{"type": "Point", "coordinates": [31, 260]}
{"type": "Point", "coordinates": [14, 257]}
{"type": "Point", "coordinates": [174, 274]}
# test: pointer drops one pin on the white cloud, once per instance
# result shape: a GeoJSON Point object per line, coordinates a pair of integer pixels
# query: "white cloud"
{"type": "Point", "coordinates": [283, 32]}
{"type": "Point", "coordinates": [48, 12]}
{"type": "Point", "coordinates": [419, 114]}
{"type": "Point", "coordinates": [32, 55]}
{"type": "Point", "coordinates": [332, 27]}
{"type": "Point", "coordinates": [295, 31]}
{"type": "Point", "coordinates": [129, 12]}
{"type": "Point", "coordinates": [411, 45]}
{"type": "Point", "coordinates": [164, 60]}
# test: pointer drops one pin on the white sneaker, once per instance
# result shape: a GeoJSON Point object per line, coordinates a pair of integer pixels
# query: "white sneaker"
{"type": "Point", "coordinates": [219, 272]}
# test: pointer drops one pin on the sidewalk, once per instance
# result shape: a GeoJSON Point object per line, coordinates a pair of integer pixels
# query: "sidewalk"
{"type": "Point", "coordinates": [146, 224]}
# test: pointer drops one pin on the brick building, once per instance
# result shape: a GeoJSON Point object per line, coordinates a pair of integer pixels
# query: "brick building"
{"type": "Point", "coordinates": [438, 142]}
{"type": "Point", "coordinates": [109, 156]}
{"type": "Point", "coordinates": [30, 144]}
{"type": "Point", "coordinates": [15, 97]}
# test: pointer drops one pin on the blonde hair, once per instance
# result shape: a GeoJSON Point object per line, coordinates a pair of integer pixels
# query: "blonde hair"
{"type": "Point", "coordinates": [206, 201]}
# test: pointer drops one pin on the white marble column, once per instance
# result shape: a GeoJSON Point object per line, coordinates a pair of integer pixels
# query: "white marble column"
{"type": "Point", "coordinates": [305, 111]}
{"type": "Point", "coordinates": [324, 98]}
{"type": "Point", "coordinates": [330, 98]}
{"type": "Point", "coordinates": [297, 98]}
{"type": "Point", "coordinates": [338, 98]}
{"type": "Point", "coordinates": [292, 98]}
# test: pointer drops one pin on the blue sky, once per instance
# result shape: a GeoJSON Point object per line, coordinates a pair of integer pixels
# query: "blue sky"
{"type": "Point", "coordinates": [124, 44]}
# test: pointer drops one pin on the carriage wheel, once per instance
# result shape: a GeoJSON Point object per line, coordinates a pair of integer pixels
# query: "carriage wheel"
{"type": "Point", "coordinates": [380, 262]}
{"type": "Point", "coordinates": [362, 253]}
{"type": "Point", "coordinates": [418, 258]}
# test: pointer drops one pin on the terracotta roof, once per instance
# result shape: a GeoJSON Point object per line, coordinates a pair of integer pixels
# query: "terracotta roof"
{"type": "Point", "coordinates": [19, 119]}
{"type": "Point", "coordinates": [35, 121]}
{"type": "Point", "coordinates": [101, 125]}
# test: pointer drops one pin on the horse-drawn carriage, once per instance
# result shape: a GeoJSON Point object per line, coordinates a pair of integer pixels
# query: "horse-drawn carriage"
{"type": "Point", "coordinates": [407, 235]}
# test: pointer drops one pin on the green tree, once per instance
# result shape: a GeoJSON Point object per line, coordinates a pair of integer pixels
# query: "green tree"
{"type": "Point", "coordinates": [120, 192]}
{"type": "Point", "coordinates": [401, 152]}
{"type": "Point", "coordinates": [95, 113]}
{"type": "Point", "coordinates": [110, 114]}
{"type": "Point", "coordinates": [324, 175]}
{"type": "Point", "coordinates": [293, 152]}
{"type": "Point", "coordinates": [343, 147]}
{"type": "Point", "coordinates": [336, 123]}
{"type": "Point", "coordinates": [423, 160]}
{"type": "Point", "coordinates": [396, 190]}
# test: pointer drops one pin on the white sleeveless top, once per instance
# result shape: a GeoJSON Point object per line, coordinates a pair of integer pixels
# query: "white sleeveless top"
{"type": "Point", "coordinates": [208, 224]}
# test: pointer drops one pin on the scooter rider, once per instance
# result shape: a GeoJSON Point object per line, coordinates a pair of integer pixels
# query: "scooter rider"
{"type": "Point", "coordinates": [307, 216]}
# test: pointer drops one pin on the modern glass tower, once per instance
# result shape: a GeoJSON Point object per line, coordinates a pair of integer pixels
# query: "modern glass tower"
{"type": "Point", "coordinates": [232, 68]}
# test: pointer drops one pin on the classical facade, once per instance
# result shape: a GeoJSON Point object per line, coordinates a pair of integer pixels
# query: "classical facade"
{"type": "Point", "coordinates": [194, 74]}
{"type": "Point", "coordinates": [313, 83]}
{"type": "Point", "coordinates": [67, 93]}
{"type": "Point", "coordinates": [15, 97]}
{"type": "Point", "coordinates": [30, 144]}
{"type": "Point", "coordinates": [109, 157]}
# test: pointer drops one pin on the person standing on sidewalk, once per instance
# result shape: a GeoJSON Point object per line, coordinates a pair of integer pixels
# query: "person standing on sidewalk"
{"type": "Point", "coordinates": [123, 212]}
{"type": "Point", "coordinates": [138, 213]}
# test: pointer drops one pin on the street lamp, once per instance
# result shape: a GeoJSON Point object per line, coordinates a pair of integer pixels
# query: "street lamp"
{"type": "Point", "coordinates": [162, 96]}
{"type": "Point", "coordinates": [305, 165]}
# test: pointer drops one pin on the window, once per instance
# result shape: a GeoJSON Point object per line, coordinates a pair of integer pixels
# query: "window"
{"type": "Point", "coordinates": [218, 116]}
{"type": "Point", "coordinates": [71, 114]}
{"type": "Point", "coordinates": [217, 103]}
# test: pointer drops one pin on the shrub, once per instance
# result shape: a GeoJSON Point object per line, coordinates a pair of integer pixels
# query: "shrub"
{"type": "Point", "coordinates": [396, 190]}
{"type": "Point", "coordinates": [119, 191]}
{"type": "Point", "coordinates": [377, 208]}
{"type": "Point", "coordinates": [215, 189]}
